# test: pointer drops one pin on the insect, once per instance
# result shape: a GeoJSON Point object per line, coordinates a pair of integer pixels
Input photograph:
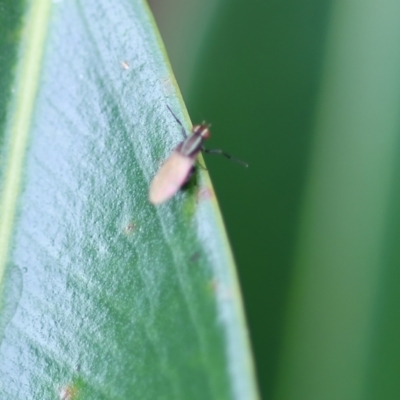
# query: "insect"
{"type": "Point", "coordinates": [179, 166]}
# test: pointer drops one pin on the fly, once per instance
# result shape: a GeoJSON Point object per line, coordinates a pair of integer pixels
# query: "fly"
{"type": "Point", "coordinates": [178, 167]}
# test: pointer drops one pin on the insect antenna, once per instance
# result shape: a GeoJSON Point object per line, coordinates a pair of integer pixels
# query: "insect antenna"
{"type": "Point", "coordinates": [228, 156]}
{"type": "Point", "coordinates": [179, 122]}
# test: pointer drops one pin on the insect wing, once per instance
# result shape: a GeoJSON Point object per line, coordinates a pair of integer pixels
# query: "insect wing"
{"type": "Point", "coordinates": [170, 177]}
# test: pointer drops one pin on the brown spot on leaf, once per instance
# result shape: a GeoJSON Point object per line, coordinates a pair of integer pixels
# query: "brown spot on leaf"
{"type": "Point", "coordinates": [195, 256]}
{"type": "Point", "coordinates": [205, 193]}
{"type": "Point", "coordinates": [129, 229]}
{"type": "Point", "coordinates": [68, 392]}
{"type": "Point", "coordinates": [125, 65]}
{"type": "Point", "coordinates": [222, 291]}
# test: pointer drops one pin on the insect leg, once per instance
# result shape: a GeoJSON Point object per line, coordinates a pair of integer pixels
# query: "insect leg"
{"type": "Point", "coordinates": [189, 175]}
{"type": "Point", "coordinates": [202, 166]}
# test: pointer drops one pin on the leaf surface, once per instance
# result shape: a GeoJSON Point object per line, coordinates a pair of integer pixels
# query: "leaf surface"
{"type": "Point", "coordinates": [105, 296]}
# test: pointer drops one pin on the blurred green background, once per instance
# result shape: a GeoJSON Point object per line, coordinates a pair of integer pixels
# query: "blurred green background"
{"type": "Point", "coordinates": [308, 93]}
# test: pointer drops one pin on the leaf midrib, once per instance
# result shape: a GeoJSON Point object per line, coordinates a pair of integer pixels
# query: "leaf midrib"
{"type": "Point", "coordinates": [20, 116]}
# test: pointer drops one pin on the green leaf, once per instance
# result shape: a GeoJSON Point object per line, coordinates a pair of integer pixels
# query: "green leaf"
{"type": "Point", "coordinates": [105, 296]}
{"type": "Point", "coordinates": [345, 246]}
